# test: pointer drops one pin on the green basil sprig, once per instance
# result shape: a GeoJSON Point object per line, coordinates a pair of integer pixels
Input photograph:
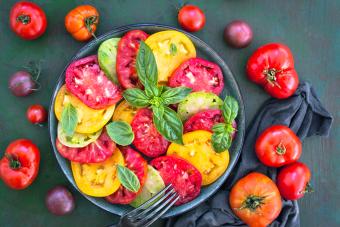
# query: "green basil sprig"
{"type": "Point", "coordinates": [166, 120]}
{"type": "Point", "coordinates": [69, 119]}
{"type": "Point", "coordinates": [120, 132]}
{"type": "Point", "coordinates": [128, 178]}
{"type": "Point", "coordinates": [222, 132]}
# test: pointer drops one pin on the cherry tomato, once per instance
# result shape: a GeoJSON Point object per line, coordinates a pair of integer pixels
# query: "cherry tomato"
{"type": "Point", "coordinates": [87, 81]}
{"type": "Point", "coordinates": [183, 176]}
{"type": "Point", "coordinates": [59, 201]}
{"type": "Point", "coordinates": [272, 67]}
{"type": "Point", "coordinates": [198, 74]}
{"type": "Point", "coordinates": [147, 139]}
{"type": "Point", "coordinates": [20, 165]}
{"type": "Point", "coordinates": [82, 21]}
{"type": "Point", "coordinates": [293, 181]}
{"type": "Point", "coordinates": [135, 162]}
{"type": "Point", "coordinates": [27, 20]}
{"type": "Point", "coordinates": [36, 114]}
{"type": "Point", "coordinates": [191, 18]}
{"type": "Point", "coordinates": [256, 200]}
{"type": "Point", "coordinates": [278, 146]}
{"type": "Point", "coordinates": [97, 151]}
{"type": "Point", "coordinates": [126, 58]}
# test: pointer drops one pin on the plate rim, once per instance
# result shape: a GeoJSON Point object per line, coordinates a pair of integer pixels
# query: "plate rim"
{"type": "Point", "coordinates": [241, 118]}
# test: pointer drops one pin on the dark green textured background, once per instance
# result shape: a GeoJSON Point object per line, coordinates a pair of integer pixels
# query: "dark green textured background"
{"type": "Point", "coordinates": [311, 28]}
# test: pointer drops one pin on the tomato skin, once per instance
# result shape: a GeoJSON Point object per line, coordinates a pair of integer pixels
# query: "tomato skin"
{"type": "Point", "coordinates": [36, 114]}
{"type": "Point", "coordinates": [27, 20]}
{"type": "Point", "coordinates": [278, 146]}
{"type": "Point", "coordinates": [28, 155]}
{"type": "Point", "coordinates": [293, 181]}
{"type": "Point", "coordinates": [81, 22]}
{"type": "Point", "coordinates": [255, 187]}
{"type": "Point", "coordinates": [272, 67]}
{"type": "Point", "coordinates": [191, 18]}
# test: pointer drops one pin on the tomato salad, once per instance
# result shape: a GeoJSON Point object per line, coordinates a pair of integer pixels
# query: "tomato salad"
{"type": "Point", "coordinates": [143, 113]}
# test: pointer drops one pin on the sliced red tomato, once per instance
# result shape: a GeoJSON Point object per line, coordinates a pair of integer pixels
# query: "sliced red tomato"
{"type": "Point", "coordinates": [88, 82]}
{"type": "Point", "coordinates": [198, 74]}
{"type": "Point", "coordinates": [97, 151]}
{"type": "Point", "coordinates": [135, 162]}
{"type": "Point", "coordinates": [205, 120]}
{"type": "Point", "coordinates": [126, 58]}
{"type": "Point", "coordinates": [147, 139]}
{"type": "Point", "coordinates": [183, 176]}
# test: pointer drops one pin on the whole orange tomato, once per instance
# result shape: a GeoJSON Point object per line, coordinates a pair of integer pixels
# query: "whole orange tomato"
{"type": "Point", "coordinates": [82, 21]}
{"type": "Point", "coordinates": [256, 200]}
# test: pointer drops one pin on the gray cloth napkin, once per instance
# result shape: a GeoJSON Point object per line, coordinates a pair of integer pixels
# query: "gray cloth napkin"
{"type": "Point", "coordinates": [305, 115]}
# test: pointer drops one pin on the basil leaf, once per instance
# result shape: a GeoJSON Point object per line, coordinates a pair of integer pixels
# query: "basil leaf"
{"type": "Point", "coordinates": [69, 119]}
{"type": "Point", "coordinates": [170, 126]}
{"type": "Point", "coordinates": [151, 90]}
{"type": "Point", "coordinates": [128, 178]}
{"type": "Point", "coordinates": [120, 132]}
{"type": "Point", "coordinates": [146, 65]}
{"type": "Point", "coordinates": [173, 49]}
{"type": "Point", "coordinates": [221, 138]}
{"type": "Point", "coordinates": [175, 95]}
{"type": "Point", "coordinates": [136, 97]}
{"type": "Point", "coordinates": [158, 111]}
{"type": "Point", "coordinates": [229, 109]}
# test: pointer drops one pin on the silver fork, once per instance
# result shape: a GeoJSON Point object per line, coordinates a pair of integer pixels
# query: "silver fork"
{"type": "Point", "coordinates": [146, 214]}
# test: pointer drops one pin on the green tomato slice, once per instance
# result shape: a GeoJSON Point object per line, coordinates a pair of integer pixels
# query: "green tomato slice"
{"type": "Point", "coordinates": [196, 102]}
{"type": "Point", "coordinates": [153, 184]}
{"type": "Point", "coordinates": [78, 139]}
{"type": "Point", "coordinates": [107, 53]}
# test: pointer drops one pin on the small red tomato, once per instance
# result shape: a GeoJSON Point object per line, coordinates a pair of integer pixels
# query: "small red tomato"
{"type": "Point", "coordinates": [191, 18]}
{"type": "Point", "coordinates": [20, 165]}
{"type": "Point", "coordinates": [28, 20]}
{"type": "Point", "coordinates": [36, 114]}
{"type": "Point", "coordinates": [293, 181]}
{"type": "Point", "coordinates": [272, 67]}
{"type": "Point", "coordinates": [278, 146]}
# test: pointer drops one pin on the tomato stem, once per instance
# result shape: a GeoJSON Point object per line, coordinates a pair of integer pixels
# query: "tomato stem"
{"type": "Point", "coordinates": [271, 76]}
{"type": "Point", "coordinates": [24, 19]}
{"type": "Point", "coordinates": [252, 202]}
{"type": "Point", "coordinates": [89, 21]}
{"type": "Point", "coordinates": [14, 162]}
{"type": "Point", "coordinates": [308, 189]}
{"type": "Point", "coordinates": [281, 149]}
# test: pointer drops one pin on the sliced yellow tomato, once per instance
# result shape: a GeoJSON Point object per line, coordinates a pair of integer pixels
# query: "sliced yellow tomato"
{"type": "Point", "coordinates": [89, 120]}
{"type": "Point", "coordinates": [198, 150]}
{"type": "Point", "coordinates": [124, 112]}
{"type": "Point", "coordinates": [98, 179]}
{"type": "Point", "coordinates": [170, 48]}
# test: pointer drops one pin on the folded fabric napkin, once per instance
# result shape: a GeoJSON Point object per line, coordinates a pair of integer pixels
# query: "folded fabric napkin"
{"type": "Point", "coordinates": [305, 115]}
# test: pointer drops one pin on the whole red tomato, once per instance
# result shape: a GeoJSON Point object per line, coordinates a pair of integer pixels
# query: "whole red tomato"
{"type": "Point", "coordinates": [278, 146]}
{"type": "Point", "coordinates": [272, 67]}
{"type": "Point", "coordinates": [36, 114]}
{"type": "Point", "coordinates": [191, 18]}
{"type": "Point", "coordinates": [20, 165]}
{"type": "Point", "coordinates": [293, 181]}
{"type": "Point", "coordinates": [256, 200]}
{"type": "Point", "coordinates": [28, 20]}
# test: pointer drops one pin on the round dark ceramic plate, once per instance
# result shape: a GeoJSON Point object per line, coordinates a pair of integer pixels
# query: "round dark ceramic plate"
{"type": "Point", "coordinates": [231, 88]}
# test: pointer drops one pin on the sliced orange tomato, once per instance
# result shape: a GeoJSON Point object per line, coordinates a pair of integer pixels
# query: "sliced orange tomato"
{"type": "Point", "coordinates": [197, 150]}
{"type": "Point", "coordinates": [89, 120]}
{"type": "Point", "coordinates": [124, 112]}
{"type": "Point", "coordinates": [98, 179]}
{"type": "Point", "coordinates": [170, 48]}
